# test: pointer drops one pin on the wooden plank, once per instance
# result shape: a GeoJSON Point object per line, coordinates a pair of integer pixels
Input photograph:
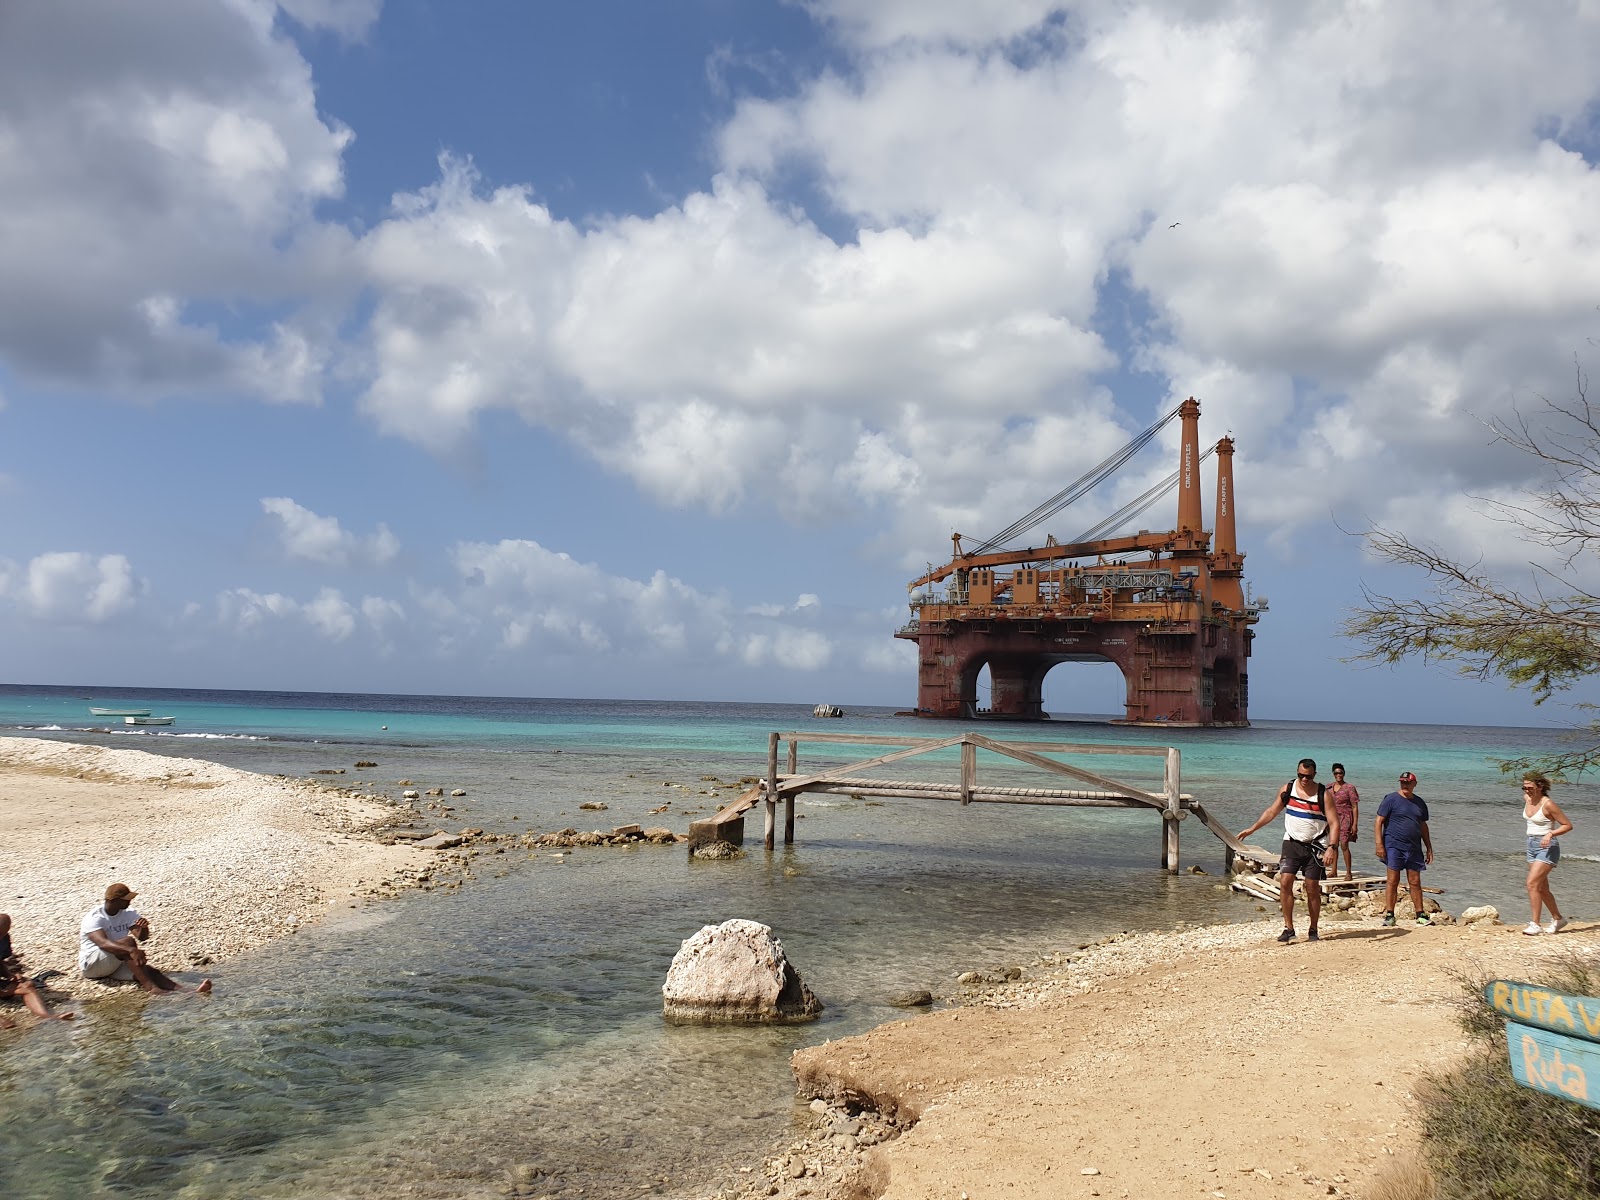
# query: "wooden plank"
{"type": "Point", "coordinates": [882, 760]}
{"type": "Point", "coordinates": [935, 787]}
{"type": "Point", "coordinates": [867, 739]}
{"type": "Point", "coordinates": [1038, 760]}
{"type": "Point", "coordinates": [979, 796]}
{"type": "Point", "coordinates": [1554, 1063]}
{"type": "Point", "coordinates": [1559, 1012]}
{"type": "Point", "coordinates": [969, 770]}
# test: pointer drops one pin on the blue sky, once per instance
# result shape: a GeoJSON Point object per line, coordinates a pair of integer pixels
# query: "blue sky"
{"type": "Point", "coordinates": [637, 349]}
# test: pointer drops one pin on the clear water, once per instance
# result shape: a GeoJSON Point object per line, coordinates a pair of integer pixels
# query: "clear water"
{"type": "Point", "coordinates": [422, 1046]}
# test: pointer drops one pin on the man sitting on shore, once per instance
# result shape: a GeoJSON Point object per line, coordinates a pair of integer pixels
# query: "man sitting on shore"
{"type": "Point", "coordinates": [109, 945]}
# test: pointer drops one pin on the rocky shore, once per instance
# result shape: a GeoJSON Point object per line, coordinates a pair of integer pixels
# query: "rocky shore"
{"type": "Point", "coordinates": [223, 860]}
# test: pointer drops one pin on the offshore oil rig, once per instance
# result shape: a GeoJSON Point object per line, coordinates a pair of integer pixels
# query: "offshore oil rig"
{"type": "Point", "coordinates": [1169, 608]}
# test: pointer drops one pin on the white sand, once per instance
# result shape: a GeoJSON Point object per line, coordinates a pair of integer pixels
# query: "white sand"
{"type": "Point", "coordinates": [223, 860]}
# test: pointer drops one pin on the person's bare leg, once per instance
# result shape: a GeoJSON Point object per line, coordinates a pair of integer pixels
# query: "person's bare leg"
{"type": "Point", "coordinates": [36, 1005]}
{"type": "Point", "coordinates": [1286, 899]}
{"type": "Point", "coordinates": [1536, 874]}
{"type": "Point", "coordinates": [1414, 881]}
{"type": "Point", "coordinates": [1314, 900]}
{"type": "Point", "coordinates": [1349, 868]}
{"type": "Point", "coordinates": [1539, 890]}
{"type": "Point", "coordinates": [1391, 890]}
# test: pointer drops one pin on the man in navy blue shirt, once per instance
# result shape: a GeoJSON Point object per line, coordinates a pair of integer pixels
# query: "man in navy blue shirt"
{"type": "Point", "coordinates": [1403, 844]}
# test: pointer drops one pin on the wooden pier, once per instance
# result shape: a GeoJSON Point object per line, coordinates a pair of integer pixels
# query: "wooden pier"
{"type": "Point", "coordinates": [1076, 786]}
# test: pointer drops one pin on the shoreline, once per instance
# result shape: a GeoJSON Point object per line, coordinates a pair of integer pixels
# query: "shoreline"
{"type": "Point", "coordinates": [1159, 1060]}
{"type": "Point", "coordinates": [1200, 1061]}
{"type": "Point", "coordinates": [224, 860]}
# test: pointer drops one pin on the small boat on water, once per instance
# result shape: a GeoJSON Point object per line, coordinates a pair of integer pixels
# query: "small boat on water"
{"type": "Point", "coordinates": [827, 710]}
{"type": "Point", "coordinates": [147, 719]}
{"type": "Point", "coordinates": [119, 712]}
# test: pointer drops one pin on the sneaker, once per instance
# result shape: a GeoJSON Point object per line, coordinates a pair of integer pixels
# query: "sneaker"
{"type": "Point", "coordinates": [1422, 919]}
{"type": "Point", "coordinates": [1532, 930]}
{"type": "Point", "coordinates": [1286, 936]}
{"type": "Point", "coordinates": [1312, 936]}
{"type": "Point", "coordinates": [1388, 919]}
{"type": "Point", "coordinates": [1556, 926]}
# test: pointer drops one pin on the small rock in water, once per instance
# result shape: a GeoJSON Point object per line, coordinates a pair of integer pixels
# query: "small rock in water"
{"type": "Point", "coordinates": [458, 792]}
{"type": "Point", "coordinates": [969, 977]}
{"type": "Point", "coordinates": [913, 999]}
{"type": "Point", "coordinates": [594, 806]}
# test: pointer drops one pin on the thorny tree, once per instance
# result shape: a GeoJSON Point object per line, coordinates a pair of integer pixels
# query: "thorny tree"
{"type": "Point", "coordinates": [1546, 636]}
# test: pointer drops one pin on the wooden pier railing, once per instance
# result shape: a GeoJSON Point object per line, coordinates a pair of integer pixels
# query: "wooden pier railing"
{"type": "Point", "coordinates": [1078, 786]}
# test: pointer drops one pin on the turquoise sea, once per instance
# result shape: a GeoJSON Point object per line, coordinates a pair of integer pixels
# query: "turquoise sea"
{"type": "Point", "coordinates": [420, 1046]}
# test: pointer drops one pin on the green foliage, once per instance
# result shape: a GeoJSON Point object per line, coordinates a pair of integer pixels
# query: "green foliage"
{"type": "Point", "coordinates": [1545, 636]}
{"type": "Point", "coordinates": [1488, 1138]}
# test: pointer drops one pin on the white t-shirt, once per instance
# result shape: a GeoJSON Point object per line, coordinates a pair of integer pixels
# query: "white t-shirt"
{"type": "Point", "coordinates": [114, 927]}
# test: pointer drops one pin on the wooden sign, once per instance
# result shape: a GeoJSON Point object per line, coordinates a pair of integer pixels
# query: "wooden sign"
{"type": "Point", "coordinates": [1553, 1039]}
{"type": "Point", "coordinates": [1575, 1016]}
{"type": "Point", "coordinates": [1554, 1063]}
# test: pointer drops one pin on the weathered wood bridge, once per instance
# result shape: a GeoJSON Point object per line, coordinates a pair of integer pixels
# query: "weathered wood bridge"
{"type": "Point", "coordinates": [1088, 789]}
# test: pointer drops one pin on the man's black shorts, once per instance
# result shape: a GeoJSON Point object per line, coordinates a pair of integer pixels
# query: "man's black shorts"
{"type": "Point", "coordinates": [1300, 857]}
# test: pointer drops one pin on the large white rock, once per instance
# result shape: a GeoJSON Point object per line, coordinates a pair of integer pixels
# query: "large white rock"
{"type": "Point", "coordinates": [1487, 912]}
{"type": "Point", "coordinates": [735, 972]}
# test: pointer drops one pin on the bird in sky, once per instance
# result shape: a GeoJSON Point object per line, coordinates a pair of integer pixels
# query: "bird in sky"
{"type": "Point", "coordinates": [1175, 224]}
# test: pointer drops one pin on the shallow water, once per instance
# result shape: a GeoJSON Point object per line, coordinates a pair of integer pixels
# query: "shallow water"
{"type": "Point", "coordinates": [422, 1046]}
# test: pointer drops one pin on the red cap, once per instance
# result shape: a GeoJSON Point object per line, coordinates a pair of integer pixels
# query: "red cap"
{"type": "Point", "coordinates": [1407, 777]}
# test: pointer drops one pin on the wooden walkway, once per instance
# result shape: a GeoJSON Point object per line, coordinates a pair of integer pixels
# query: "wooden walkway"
{"type": "Point", "coordinates": [1088, 789]}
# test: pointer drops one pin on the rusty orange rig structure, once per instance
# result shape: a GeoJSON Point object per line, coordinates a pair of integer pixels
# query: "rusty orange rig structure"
{"type": "Point", "coordinates": [1169, 608]}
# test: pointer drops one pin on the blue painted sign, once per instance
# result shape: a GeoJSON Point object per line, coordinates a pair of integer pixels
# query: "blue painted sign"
{"type": "Point", "coordinates": [1554, 1063]}
{"type": "Point", "coordinates": [1576, 1016]}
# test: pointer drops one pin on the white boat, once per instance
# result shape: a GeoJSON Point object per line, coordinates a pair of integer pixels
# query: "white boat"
{"type": "Point", "coordinates": [119, 712]}
{"type": "Point", "coordinates": [147, 719]}
{"type": "Point", "coordinates": [827, 710]}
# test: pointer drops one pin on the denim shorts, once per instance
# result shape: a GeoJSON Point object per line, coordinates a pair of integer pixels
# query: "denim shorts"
{"type": "Point", "coordinates": [1398, 856]}
{"type": "Point", "coordinates": [1537, 853]}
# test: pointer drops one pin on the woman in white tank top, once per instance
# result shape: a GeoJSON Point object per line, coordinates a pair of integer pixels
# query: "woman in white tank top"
{"type": "Point", "coordinates": [1546, 822]}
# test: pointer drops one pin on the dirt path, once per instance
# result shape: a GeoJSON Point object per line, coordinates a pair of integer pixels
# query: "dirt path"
{"type": "Point", "coordinates": [1208, 1063]}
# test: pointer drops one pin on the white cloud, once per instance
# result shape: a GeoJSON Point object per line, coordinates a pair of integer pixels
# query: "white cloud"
{"type": "Point", "coordinates": [71, 587]}
{"type": "Point", "coordinates": [158, 159]}
{"type": "Point", "coordinates": [350, 19]}
{"type": "Point", "coordinates": [1382, 225]}
{"type": "Point", "coordinates": [306, 535]}
{"type": "Point", "coordinates": [535, 600]}
{"type": "Point", "coordinates": [327, 614]}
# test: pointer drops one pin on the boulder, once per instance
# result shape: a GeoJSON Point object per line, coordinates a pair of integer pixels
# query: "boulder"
{"type": "Point", "coordinates": [735, 973]}
{"type": "Point", "coordinates": [1486, 912]}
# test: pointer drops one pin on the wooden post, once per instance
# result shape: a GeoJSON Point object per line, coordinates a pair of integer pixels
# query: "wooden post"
{"type": "Point", "coordinates": [788, 797]}
{"type": "Point", "coordinates": [1172, 790]}
{"type": "Point", "coordinates": [969, 770]}
{"type": "Point", "coordinates": [772, 790]}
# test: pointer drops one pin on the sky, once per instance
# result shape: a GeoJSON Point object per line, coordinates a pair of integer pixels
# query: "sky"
{"type": "Point", "coordinates": [648, 349]}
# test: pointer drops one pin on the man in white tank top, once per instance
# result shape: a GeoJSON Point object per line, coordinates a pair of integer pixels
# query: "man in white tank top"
{"type": "Point", "coordinates": [1310, 843]}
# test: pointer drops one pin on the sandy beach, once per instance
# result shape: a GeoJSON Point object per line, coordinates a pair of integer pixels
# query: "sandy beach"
{"type": "Point", "coordinates": [223, 860]}
{"type": "Point", "coordinates": [1206, 1062]}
